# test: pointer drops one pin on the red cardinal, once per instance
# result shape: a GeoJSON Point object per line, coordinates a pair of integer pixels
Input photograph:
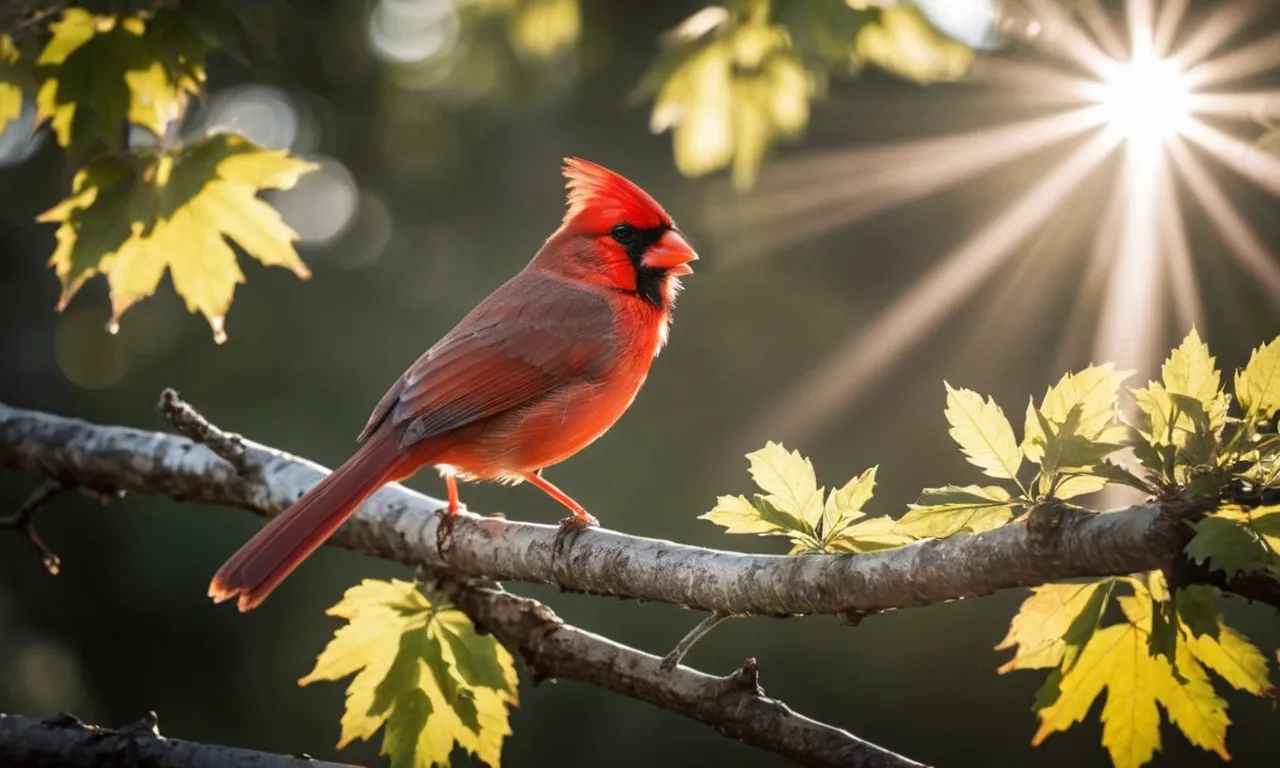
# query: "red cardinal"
{"type": "Point", "coordinates": [535, 373]}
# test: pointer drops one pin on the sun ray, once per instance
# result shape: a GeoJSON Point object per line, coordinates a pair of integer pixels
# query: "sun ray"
{"type": "Point", "coordinates": [1256, 105]}
{"type": "Point", "coordinates": [869, 354]}
{"type": "Point", "coordinates": [1225, 22]}
{"type": "Point", "coordinates": [1166, 27]}
{"type": "Point", "coordinates": [1061, 33]}
{"type": "Point", "coordinates": [1146, 90]}
{"type": "Point", "coordinates": [1250, 162]}
{"type": "Point", "coordinates": [807, 198]}
{"type": "Point", "coordinates": [1229, 225]}
{"type": "Point", "coordinates": [1128, 327]}
{"type": "Point", "coordinates": [1173, 228]}
{"type": "Point", "coordinates": [1253, 59]}
{"type": "Point", "coordinates": [1103, 30]}
{"type": "Point", "coordinates": [1141, 27]}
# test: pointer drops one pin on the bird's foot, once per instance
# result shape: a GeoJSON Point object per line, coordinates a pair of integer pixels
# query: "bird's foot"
{"type": "Point", "coordinates": [448, 518]}
{"type": "Point", "coordinates": [571, 528]}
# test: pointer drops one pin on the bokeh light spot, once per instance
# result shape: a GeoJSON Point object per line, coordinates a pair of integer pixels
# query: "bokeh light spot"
{"type": "Point", "coordinates": [260, 113]}
{"type": "Point", "coordinates": [406, 31]}
{"type": "Point", "coordinates": [320, 206]}
{"type": "Point", "coordinates": [19, 139]}
{"type": "Point", "coordinates": [87, 356]}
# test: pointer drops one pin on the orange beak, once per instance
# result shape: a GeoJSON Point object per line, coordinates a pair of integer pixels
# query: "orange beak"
{"type": "Point", "coordinates": [672, 253]}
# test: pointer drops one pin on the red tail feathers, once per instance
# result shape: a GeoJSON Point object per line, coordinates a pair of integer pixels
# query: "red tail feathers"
{"type": "Point", "coordinates": [265, 560]}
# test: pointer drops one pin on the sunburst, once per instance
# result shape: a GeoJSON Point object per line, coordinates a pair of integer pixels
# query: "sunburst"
{"type": "Point", "coordinates": [1143, 102]}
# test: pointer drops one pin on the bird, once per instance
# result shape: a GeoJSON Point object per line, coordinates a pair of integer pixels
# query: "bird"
{"type": "Point", "coordinates": [537, 371]}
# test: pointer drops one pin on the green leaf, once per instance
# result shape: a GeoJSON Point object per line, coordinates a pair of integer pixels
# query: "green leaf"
{"type": "Point", "coordinates": [730, 87]}
{"type": "Point", "coordinates": [472, 655]}
{"type": "Point", "coordinates": [12, 82]}
{"type": "Point", "coordinates": [824, 32]}
{"type": "Point", "coordinates": [175, 212]}
{"type": "Point", "coordinates": [97, 72]}
{"type": "Point", "coordinates": [1265, 521]}
{"type": "Point", "coordinates": [422, 672]}
{"type": "Point", "coordinates": [738, 515]}
{"type": "Point", "coordinates": [1198, 611]}
{"type": "Point", "coordinates": [545, 29]}
{"type": "Point", "coordinates": [1163, 640]}
{"type": "Point", "coordinates": [983, 433]}
{"type": "Point", "coordinates": [1073, 485]}
{"type": "Point", "coordinates": [942, 512]}
{"type": "Point", "coordinates": [1258, 385]}
{"type": "Point", "coordinates": [844, 505]}
{"type": "Point", "coordinates": [1053, 624]}
{"type": "Point", "coordinates": [788, 480]}
{"type": "Point", "coordinates": [1114, 473]}
{"type": "Point", "coordinates": [1094, 390]}
{"type": "Point", "coordinates": [1226, 545]}
{"type": "Point", "coordinates": [870, 534]}
{"type": "Point", "coordinates": [903, 43]}
{"type": "Point", "coordinates": [1219, 647]}
{"type": "Point", "coordinates": [1190, 371]}
{"type": "Point", "coordinates": [1116, 659]}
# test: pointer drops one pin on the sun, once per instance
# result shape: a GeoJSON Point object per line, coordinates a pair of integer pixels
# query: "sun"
{"type": "Point", "coordinates": [1147, 100]}
{"type": "Point", "coordinates": [1163, 102]}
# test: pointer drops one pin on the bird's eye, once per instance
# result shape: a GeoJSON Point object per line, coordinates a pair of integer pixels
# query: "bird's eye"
{"type": "Point", "coordinates": [623, 233]}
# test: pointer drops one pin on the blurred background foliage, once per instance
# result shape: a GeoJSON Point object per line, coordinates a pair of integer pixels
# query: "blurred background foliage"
{"type": "Point", "coordinates": [435, 129]}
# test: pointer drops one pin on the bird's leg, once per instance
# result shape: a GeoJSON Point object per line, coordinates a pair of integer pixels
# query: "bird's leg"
{"type": "Point", "coordinates": [445, 528]}
{"type": "Point", "coordinates": [580, 518]}
{"type": "Point", "coordinates": [570, 526]}
{"type": "Point", "coordinates": [451, 484]}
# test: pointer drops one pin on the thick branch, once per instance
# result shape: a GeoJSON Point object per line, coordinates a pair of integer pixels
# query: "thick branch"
{"type": "Point", "coordinates": [400, 524]}
{"type": "Point", "coordinates": [734, 705]}
{"type": "Point", "coordinates": [118, 459]}
{"type": "Point", "coordinates": [66, 742]}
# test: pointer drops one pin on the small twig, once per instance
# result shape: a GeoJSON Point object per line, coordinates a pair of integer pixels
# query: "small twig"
{"type": "Point", "coordinates": [24, 520]}
{"type": "Point", "coordinates": [194, 425]}
{"type": "Point", "coordinates": [65, 741]}
{"type": "Point", "coordinates": [673, 659]}
{"type": "Point", "coordinates": [735, 704]}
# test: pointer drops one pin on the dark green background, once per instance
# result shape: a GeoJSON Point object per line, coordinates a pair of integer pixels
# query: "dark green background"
{"type": "Point", "coordinates": [472, 192]}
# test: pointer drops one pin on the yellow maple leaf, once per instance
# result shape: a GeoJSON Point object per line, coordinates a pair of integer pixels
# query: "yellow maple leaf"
{"type": "Point", "coordinates": [1038, 633]}
{"type": "Point", "coordinates": [983, 433]}
{"type": "Point", "coordinates": [11, 82]}
{"type": "Point", "coordinates": [1117, 659]}
{"type": "Point", "coordinates": [421, 673]}
{"type": "Point", "coordinates": [175, 210]}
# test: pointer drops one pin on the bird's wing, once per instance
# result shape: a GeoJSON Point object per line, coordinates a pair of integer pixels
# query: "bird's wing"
{"type": "Point", "coordinates": [526, 340]}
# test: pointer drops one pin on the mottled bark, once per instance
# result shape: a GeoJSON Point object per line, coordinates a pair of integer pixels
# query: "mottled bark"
{"type": "Point", "coordinates": [399, 524]}
{"type": "Point", "coordinates": [395, 524]}
{"type": "Point", "coordinates": [734, 705]}
{"type": "Point", "coordinates": [65, 742]}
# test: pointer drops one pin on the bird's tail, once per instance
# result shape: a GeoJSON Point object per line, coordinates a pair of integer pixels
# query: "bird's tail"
{"type": "Point", "coordinates": [284, 542]}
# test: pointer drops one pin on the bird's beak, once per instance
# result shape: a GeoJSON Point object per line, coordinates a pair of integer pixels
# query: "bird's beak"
{"type": "Point", "coordinates": [672, 253]}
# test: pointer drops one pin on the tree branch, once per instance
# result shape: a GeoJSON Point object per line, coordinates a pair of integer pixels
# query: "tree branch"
{"type": "Point", "coordinates": [66, 742]}
{"type": "Point", "coordinates": [400, 524]}
{"type": "Point", "coordinates": [118, 459]}
{"type": "Point", "coordinates": [734, 705]}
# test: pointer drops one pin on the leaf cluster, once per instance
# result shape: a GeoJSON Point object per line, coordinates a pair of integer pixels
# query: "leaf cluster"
{"type": "Point", "coordinates": [136, 212]}
{"type": "Point", "coordinates": [132, 217]}
{"type": "Point", "coordinates": [732, 80]}
{"type": "Point", "coordinates": [791, 504]}
{"type": "Point", "coordinates": [1187, 443]}
{"type": "Point", "coordinates": [421, 673]}
{"type": "Point", "coordinates": [1156, 657]}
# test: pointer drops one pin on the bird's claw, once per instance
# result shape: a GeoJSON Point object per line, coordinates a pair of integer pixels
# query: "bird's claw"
{"type": "Point", "coordinates": [445, 530]}
{"type": "Point", "coordinates": [570, 528]}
